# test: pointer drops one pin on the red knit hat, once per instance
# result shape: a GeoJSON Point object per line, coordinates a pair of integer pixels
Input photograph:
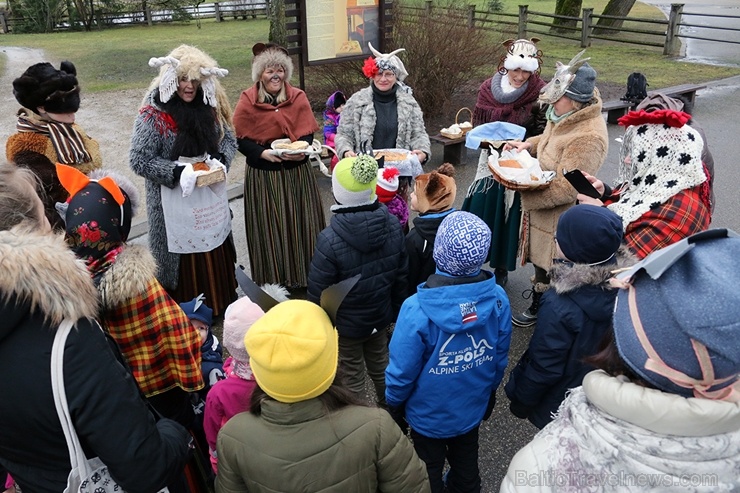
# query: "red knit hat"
{"type": "Point", "coordinates": [387, 184]}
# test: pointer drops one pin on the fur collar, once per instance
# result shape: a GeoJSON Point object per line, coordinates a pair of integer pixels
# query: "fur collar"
{"type": "Point", "coordinates": [129, 276]}
{"type": "Point", "coordinates": [41, 268]}
{"type": "Point", "coordinates": [565, 278]}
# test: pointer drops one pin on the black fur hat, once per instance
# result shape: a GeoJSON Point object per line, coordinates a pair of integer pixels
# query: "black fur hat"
{"type": "Point", "coordinates": [43, 85]}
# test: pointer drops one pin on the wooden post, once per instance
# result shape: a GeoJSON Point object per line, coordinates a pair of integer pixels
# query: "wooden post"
{"type": "Point", "coordinates": [471, 16]}
{"type": "Point", "coordinates": [148, 14]}
{"type": "Point", "coordinates": [523, 14]}
{"type": "Point", "coordinates": [586, 20]}
{"type": "Point", "coordinates": [428, 7]}
{"type": "Point", "coordinates": [4, 22]}
{"type": "Point", "coordinates": [672, 46]}
{"type": "Point", "coordinates": [217, 12]}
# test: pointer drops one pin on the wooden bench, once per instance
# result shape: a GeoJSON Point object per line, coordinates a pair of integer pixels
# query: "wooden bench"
{"type": "Point", "coordinates": [454, 149]}
{"type": "Point", "coordinates": [616, 109]}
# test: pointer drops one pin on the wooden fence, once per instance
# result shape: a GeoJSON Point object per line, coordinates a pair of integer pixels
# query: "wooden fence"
{"type": "Point", "coordinates": [244, 9]}
{"type": "Point", "coordinates": [660, 33]}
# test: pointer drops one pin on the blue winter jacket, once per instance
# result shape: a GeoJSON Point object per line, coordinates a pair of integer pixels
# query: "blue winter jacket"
{"type": "Point", "coordinates": [448, 353]}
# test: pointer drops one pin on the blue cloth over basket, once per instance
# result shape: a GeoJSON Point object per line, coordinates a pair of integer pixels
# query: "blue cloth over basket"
{"type": "Point", "coordinates": [493, 131]}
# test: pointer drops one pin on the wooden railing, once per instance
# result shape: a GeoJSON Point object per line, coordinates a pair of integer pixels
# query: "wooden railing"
{"type": "Point", "coordinates": [220, 11]}
{"type": "Point", "coordinates": [634, 30]}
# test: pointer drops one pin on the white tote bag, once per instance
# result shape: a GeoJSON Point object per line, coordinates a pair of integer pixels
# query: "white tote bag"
{"type": "Point", "coordinates": [87, 475]}
{"type": "Point", "coordinates": [199, 222]}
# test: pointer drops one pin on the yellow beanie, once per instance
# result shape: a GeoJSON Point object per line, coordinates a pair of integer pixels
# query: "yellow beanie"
{"type": "Point", "coordinates": [293, 351]}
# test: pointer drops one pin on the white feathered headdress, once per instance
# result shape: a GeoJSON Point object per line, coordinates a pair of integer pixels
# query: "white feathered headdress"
{"type": "Point", "coordinates": [188, 61]}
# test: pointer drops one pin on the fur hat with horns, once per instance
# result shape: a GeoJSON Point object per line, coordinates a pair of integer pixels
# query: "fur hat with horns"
{"type": "Point", "coordinates": [43, 85]}
{"type": "Point", "coordinates": [385, 61]}
{"type": "Point", "coordinates": [270, 55]}
{"type": "Point", "coordinates": [192, 63]}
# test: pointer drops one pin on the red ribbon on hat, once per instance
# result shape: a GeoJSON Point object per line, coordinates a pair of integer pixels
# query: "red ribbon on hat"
{"type": "Point", "coordinates": [655, 364]}
{"type": "Point", "coordinates": [672, 118]}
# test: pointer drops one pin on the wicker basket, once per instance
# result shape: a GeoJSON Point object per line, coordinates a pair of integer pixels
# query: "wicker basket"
{"type": "Point", "coordinates": [457, 122]}
{"type": "Point", "coordinates": [211, 177]}
{"type": "Point", "coordinates": [515, 185]}
{"type": "Point", "coordinates": [457, 119]}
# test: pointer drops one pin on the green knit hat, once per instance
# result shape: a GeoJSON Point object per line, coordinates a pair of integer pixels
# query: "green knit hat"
{"type": "Point", "coordinates": [353, 181]}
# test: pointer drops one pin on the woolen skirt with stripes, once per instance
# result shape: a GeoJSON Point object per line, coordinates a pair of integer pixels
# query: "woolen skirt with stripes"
{"type": "Point", "coordinates": [210, 273]}
{"type": "Point", "coordinates": [284, 216]}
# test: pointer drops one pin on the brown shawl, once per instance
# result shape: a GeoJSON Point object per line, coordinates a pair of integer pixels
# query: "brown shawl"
{"type": "Point", "coordinates": [263, 122]}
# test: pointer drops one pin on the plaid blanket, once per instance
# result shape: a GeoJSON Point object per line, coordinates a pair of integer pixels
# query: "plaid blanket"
{"type": "Point", "coordinates": [681, 216]}
{"type": "Point", "coordinates": [158, 341]}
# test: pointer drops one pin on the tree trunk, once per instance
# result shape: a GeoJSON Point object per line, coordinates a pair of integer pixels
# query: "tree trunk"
{"type": "Point", "coordinates": [617, 8]}
{"type": "Point", "coordinates": [571, 8]}
{"type": "Point", "coordinates": [278, 34]}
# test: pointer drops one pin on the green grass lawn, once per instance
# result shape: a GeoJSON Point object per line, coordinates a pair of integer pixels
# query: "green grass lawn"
{"type": "Point", "coordinates": [114, 59]}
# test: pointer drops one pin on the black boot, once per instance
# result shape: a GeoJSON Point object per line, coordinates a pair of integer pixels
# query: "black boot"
{"type": "Point", "coordinates": [502, 276]}
{"type": "Point", "coordinates": [529, 317]}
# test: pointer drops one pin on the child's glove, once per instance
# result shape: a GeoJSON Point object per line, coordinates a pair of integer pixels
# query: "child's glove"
{"type": "Point", "coordinates": [519, 410]}
{"type": "Point", "coordinates": [398, 413]}
{"type": "Point", "coordinates": [490, 406]}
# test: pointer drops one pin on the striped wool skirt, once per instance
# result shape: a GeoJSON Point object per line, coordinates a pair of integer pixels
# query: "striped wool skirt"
{"type": "Point", "coordinates": [210, 273]}
{"type": "Point", "coordinates": [283, 215]}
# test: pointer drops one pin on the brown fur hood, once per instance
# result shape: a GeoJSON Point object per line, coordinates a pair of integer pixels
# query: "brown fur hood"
{"type": "Point", "coordinates": [41, 269]}
{"type": "Point", "coordinates": [128, 277]}
{"type": "Point", "coordinates": [565, 278]}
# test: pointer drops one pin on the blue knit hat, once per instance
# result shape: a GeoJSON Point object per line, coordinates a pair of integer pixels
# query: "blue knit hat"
{"type": "Point", "coordinates": [462, 244]}
{"type": "Point", "coordinates": [198, 310]}
{"type": "Point", "coordinates": [588, 234]}
{"type": "Point", "coordinates": [677, 325]}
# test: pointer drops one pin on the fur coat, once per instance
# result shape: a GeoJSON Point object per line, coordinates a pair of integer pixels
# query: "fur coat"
{"type": "Point", "coordinates": [358, 123]}
{"type": "Point", "coordinates": [41, 284]}
{"type": "Point", "coordinates": [151, 144]}
{"type": "Point", "coordinates": [578, 141]}
{"type": "Point", "coordinates": [35, 151]}
{"type": "Point", "coordinates": [161, 346]}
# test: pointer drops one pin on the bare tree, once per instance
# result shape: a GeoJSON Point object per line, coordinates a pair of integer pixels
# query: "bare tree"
{"type": "Point", "coordinates": [278, 34]}
{"type": "Point", "coordinates": [570, 8]}
{"type": "Point", "coordinates": [618, 8]}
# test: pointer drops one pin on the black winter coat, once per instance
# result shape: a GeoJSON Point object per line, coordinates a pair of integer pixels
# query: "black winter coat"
{"type": "Point", "coordinates": [573, 316]}
{"type": "Point", "coordinates": [420, 246]}
{"type": "Point", "coordinates": [41, 285]}
{"type": "Point", "coordinates": [365, 240]}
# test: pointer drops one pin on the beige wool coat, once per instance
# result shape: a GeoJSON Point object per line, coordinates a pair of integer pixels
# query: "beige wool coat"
{"type": "Point", "coordinates": [578, 141]}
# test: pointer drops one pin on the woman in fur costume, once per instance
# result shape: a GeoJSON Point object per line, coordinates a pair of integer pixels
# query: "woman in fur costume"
{"type": "Point", "coordinates": [159, 343]}
{"type": "Point", "coordinates": [42, 284]}
{"type": "Point", "coordinates": [575, 137]}
{"type": "Point", "coordinates": [46, 130]}
{"type": "Point", "coordinates": [185, 114]}
{"type": "Point", "coordinates": [509, 96]}
{"type": "Point", "coordinates": [282, 204]}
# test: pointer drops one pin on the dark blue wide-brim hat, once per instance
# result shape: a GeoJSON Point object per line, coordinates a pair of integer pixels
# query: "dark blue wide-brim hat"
{"type": "Point", "coordinates": [198, 310]}
{"type": "Point", "coordinates": [685, 304]}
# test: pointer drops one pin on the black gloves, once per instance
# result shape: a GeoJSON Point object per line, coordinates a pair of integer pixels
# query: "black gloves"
{"type": "Point", "coordinates": [177, 172]}
{"type": "Point", "coordinates": [399, 416]}
{"type": "Point", "coordinates": [491, 405]}
{"type": "Point", "coordinates": [519, 410]}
